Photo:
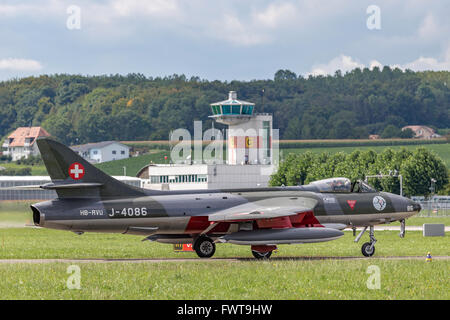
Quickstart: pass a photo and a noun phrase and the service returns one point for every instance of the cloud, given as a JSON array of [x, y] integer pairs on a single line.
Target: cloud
[[429, 27], [232, 30], [342, 62], [14, 64], [347, 63], [147, 8], [428, 63], [275, 15], [35, 9]]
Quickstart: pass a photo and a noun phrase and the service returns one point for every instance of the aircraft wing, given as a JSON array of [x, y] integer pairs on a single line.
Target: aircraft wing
[[266, 209], [274, 221]]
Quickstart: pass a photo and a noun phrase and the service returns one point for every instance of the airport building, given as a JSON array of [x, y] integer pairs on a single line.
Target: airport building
[[249, 157]]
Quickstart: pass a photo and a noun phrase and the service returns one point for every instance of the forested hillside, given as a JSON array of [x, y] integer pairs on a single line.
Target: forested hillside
[[79, 109]]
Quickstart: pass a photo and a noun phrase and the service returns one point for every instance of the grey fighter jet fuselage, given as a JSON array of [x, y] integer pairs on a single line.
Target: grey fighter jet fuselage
[[91, 201]]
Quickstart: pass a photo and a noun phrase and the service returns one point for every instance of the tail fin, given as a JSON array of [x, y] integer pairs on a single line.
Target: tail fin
[[74, 177]]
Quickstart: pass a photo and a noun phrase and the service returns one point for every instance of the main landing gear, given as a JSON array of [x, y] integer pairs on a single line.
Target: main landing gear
[[263, 251], [368, 248], [261, 255], [204, 247]]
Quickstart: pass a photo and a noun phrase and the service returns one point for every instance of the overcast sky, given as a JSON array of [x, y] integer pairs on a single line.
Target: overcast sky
[[218, 39]]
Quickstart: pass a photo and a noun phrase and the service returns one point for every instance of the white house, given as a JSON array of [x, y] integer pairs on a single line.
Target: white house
[[102, 151], [21, 143]]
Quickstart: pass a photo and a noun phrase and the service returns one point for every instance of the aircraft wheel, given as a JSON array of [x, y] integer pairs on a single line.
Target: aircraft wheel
[[262, 255], [204, 247], [367, 249]]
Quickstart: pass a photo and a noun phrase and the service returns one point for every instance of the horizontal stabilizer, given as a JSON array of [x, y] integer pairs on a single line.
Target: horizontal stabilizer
[[24, 188], [56, 186]]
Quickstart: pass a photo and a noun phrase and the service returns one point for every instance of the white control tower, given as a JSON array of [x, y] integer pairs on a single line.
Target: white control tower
[[249, 134], [249, 154]]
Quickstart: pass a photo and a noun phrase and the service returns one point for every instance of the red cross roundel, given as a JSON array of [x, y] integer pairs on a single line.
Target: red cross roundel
[[76, 171]]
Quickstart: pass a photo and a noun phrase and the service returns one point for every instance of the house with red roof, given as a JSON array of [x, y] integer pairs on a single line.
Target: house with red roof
[[422, 132], [22, 142]]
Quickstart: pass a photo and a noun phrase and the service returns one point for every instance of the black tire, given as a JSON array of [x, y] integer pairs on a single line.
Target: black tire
[[262, 255], [366, 249], [204, 247]]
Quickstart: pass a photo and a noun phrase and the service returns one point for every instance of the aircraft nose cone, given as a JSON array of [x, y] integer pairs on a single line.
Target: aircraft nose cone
[[416, 206]]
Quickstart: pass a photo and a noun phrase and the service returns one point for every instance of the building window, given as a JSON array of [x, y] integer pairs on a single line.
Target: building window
[[178, 179], [114, 152], [122, 152], [95, 152], [236, 109], [226, 109], [266, 146], [155, 179]]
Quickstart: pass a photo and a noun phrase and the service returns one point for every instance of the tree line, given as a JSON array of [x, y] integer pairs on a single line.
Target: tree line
[[78, 109], [416, 167]]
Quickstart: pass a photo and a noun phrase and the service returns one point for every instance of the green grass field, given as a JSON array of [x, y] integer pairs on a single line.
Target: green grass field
[[37, 170], [229, 280], [294, 277], [133, 165]]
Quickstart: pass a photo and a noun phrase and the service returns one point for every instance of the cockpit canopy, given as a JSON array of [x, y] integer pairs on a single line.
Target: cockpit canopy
[[333, 185], [336, 185], [362, 187]]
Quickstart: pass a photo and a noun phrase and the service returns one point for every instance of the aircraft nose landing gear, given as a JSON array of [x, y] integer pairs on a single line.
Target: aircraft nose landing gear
[[402, 228], [368, 248]]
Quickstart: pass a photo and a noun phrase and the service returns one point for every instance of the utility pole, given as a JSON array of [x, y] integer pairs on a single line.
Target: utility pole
[[262, 99]]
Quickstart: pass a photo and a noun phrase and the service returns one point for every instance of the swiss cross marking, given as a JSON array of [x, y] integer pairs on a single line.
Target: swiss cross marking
[[76, 171]]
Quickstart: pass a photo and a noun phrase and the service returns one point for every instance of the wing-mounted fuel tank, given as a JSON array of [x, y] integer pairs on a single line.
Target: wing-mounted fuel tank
[[282, 236]]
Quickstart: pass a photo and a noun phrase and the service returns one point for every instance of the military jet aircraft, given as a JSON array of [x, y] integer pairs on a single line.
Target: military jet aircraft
[[88, 200]]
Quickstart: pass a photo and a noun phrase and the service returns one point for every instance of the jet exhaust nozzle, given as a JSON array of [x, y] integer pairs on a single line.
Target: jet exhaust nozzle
[[38, 217]]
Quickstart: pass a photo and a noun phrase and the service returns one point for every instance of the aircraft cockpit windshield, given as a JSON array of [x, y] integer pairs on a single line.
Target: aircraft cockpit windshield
[[363, 187], [333, 185]]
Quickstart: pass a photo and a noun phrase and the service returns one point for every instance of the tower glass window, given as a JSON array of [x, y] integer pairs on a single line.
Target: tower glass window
[[226, 109]]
